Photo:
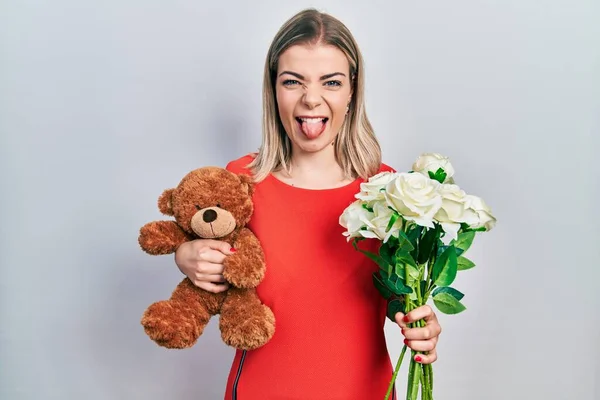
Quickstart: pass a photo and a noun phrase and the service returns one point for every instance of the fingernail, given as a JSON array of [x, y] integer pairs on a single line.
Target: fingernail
[[405, 319], [418, 359], [232, 250], [406, 342]]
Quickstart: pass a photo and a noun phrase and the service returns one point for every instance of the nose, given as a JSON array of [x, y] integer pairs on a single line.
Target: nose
[[312, 97], [209, 216]]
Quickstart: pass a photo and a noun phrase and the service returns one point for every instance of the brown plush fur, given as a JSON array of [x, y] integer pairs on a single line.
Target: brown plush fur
[[213, 203]]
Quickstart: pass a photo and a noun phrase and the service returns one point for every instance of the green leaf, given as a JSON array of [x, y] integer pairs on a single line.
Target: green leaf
[[443, 248], [427, 242], [400, 271], [448, 304], [451, 291], [440, 175], [385, 273], [401, 288], [381, 287], [405, 263], [404, 241], [413, 234], [403, 256], [397, 286], [413, 274], [466, 228], [445, 268], [423, 287], [393, 220], [375, 257], [395, 306], [464, 263], [464, 240], [386, 251]]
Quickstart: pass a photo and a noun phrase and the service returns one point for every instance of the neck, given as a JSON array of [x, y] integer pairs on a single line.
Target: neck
[[322, 162], [318, 170]]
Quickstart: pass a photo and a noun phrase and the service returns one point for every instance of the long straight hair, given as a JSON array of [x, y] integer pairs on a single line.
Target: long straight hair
[[356, 148]]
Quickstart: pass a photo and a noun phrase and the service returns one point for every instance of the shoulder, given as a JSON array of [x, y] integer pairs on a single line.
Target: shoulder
[[240, 165], [386, 168]]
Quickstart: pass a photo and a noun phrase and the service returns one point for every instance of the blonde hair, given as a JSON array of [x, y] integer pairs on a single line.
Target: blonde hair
[[357, 150]]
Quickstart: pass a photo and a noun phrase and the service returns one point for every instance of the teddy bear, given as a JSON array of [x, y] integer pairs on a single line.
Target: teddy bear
[[210, 203]]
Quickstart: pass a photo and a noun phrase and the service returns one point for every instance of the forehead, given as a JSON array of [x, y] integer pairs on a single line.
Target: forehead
[[313, 60]]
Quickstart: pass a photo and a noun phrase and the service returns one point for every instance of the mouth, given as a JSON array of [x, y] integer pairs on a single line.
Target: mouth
[[312, 127], [223, 232]]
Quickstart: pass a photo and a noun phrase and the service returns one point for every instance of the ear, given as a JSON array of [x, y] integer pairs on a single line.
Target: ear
[[164, 202], [248, 182]]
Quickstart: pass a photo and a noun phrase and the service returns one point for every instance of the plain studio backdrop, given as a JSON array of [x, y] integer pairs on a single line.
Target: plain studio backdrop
[[105, 104]]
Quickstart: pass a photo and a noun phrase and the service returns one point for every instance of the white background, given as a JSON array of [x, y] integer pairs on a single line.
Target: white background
[[105, 104]]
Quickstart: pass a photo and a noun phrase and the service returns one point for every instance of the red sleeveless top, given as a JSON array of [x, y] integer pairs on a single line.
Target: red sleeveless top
[[329, 341]]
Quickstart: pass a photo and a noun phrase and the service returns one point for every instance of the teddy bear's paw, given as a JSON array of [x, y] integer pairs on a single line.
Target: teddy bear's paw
[[240, 273], [171, 325], [251, 331]]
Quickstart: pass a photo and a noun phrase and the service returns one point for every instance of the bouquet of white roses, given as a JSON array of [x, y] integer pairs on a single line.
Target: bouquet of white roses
[[425, 223]]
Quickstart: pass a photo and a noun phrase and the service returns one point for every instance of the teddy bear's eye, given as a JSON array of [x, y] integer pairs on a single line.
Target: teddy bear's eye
[[219, 205], [197, 207]]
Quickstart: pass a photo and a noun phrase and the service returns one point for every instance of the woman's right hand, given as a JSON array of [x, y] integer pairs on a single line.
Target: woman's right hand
[[202, 262]]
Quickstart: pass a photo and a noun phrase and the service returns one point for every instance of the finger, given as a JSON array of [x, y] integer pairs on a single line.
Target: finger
[[429, 331], [211, 256], [224, 247], [212, 287], [399, 318], [204, 269], [429, 358], [210, 277], [421, 345], [216, 278], [423, 312]]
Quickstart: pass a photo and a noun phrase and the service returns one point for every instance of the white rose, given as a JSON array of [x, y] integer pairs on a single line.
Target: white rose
[[453, 211], [484, 214], [431, 162], [355, 218], [370, 191], [382, 215], [415, 197]]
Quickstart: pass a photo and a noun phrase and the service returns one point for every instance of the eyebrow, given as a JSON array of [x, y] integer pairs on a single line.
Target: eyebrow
[[324, 77]]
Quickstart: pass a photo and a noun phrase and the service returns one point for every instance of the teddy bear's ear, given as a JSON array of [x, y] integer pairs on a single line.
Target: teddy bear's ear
[[164, 202], [248, 182]]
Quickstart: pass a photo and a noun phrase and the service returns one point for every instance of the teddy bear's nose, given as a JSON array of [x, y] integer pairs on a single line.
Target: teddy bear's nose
[[209, 216]]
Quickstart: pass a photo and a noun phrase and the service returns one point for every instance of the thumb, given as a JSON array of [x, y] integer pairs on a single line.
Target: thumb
[[221, 246]]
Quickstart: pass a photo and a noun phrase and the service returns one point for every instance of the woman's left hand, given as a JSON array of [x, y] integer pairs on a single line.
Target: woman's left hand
[[421, 339]]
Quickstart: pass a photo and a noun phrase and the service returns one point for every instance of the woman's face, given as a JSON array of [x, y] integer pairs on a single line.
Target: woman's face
[[313, 89]]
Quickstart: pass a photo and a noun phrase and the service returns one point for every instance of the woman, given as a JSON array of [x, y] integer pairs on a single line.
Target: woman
[[318, 145]]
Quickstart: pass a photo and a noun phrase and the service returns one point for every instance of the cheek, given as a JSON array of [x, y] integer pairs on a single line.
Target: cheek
[[337, 104], [285, 104]]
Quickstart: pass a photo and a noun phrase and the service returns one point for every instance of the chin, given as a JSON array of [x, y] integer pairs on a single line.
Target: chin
[[315, 145]]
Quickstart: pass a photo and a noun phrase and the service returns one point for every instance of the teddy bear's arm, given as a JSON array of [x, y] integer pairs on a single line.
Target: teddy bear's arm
[[161, 237], [246, 267]]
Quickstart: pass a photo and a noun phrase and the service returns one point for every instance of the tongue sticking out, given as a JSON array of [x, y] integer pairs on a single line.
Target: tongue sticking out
[[313, 129]]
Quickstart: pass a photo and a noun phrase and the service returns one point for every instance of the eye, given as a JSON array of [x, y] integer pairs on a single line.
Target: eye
[[219, 205], [197, 207], [333, 83], [290, 82]]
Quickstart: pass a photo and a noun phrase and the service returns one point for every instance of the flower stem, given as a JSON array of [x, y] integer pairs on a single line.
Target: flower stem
[[411, 374], [416, 378], [398, 363], [429, 370], [424, 392]]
